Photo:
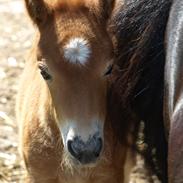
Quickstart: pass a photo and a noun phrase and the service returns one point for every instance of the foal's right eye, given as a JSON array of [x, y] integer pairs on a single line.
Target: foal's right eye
[[44, 71]]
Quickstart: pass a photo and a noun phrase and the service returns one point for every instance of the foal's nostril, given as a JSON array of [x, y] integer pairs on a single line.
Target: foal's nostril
[[85, 152], [98, 147], [72, 149]]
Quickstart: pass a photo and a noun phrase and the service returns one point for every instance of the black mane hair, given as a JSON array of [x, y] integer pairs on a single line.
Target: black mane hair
[[136, 91]]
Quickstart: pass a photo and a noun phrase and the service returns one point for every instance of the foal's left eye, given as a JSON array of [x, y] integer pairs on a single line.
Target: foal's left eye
[[44, 71], [109, 70]]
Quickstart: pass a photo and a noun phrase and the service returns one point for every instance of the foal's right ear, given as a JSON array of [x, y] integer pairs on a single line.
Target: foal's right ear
[[38, 10]]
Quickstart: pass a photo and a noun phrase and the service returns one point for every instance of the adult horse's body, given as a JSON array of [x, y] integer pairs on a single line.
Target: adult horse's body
[[174, 91]]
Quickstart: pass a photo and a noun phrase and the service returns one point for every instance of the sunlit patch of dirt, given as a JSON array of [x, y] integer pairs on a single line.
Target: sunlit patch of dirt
[[15, 39]]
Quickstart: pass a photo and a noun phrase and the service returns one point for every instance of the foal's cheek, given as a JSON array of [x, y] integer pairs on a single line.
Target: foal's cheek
[[40, 146]]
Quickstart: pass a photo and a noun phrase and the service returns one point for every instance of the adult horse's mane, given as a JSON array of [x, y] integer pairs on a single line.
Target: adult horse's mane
[[137, 83]]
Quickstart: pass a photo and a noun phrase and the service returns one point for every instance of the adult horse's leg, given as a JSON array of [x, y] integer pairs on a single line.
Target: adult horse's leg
[[174, 92]]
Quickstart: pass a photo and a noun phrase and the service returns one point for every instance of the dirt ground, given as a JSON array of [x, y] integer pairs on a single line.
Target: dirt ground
[[15, 39]]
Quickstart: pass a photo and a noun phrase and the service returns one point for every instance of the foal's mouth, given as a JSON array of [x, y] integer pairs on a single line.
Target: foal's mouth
[[87, 162]]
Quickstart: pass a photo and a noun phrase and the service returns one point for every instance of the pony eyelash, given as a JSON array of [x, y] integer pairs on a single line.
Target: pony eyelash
[[109, 70], [44, 71]]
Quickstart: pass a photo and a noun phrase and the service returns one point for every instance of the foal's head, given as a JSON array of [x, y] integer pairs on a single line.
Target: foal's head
[[74, 57]]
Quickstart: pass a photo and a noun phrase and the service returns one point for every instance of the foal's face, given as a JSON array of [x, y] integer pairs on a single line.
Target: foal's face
[[75, 57]]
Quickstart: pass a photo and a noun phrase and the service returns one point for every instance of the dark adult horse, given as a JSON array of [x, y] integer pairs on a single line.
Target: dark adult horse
[[149, 44], [174, 91]]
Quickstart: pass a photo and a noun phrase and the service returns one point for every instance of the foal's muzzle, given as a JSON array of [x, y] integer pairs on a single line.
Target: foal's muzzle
[[85, 152]]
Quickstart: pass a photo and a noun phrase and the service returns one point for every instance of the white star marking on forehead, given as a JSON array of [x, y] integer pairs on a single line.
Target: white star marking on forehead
[[77, 51]]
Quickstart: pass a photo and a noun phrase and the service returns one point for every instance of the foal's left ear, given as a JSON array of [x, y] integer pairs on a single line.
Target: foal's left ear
[[103, 8], [38, 10]]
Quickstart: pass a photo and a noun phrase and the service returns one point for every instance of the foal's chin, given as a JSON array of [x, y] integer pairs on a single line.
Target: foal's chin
[[72, 164]]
